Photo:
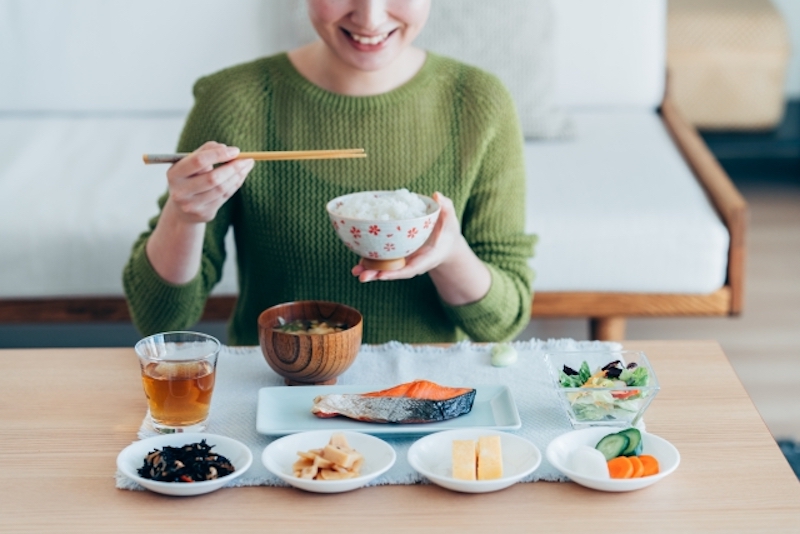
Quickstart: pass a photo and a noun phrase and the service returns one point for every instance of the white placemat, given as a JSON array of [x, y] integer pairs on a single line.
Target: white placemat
[[242, 371]]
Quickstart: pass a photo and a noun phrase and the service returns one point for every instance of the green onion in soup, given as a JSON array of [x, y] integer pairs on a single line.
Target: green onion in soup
[[309, 326]]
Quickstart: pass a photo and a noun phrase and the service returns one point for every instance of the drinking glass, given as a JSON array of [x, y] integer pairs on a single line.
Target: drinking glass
[[178, 371]]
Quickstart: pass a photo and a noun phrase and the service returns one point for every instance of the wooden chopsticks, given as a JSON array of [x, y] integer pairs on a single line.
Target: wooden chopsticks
[[269, 156]]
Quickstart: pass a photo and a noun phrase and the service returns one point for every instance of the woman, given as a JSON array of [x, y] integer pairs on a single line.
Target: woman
[[428, 124]]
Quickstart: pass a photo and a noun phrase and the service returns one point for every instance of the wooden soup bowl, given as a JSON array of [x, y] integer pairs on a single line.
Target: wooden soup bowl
[[310, 359]]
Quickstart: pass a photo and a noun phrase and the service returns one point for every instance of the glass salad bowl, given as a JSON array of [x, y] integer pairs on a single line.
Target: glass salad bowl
[[602, 387]]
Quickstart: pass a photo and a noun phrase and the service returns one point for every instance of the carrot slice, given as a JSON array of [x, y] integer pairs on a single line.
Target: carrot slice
[[650, 465], [620, 467], [638, 466]]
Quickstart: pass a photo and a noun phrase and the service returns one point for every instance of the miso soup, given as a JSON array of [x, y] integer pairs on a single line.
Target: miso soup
[[310, 326]]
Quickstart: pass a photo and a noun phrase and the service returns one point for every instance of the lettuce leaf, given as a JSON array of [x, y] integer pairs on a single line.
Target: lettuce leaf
[[639, 377], [570, 381], [629, 405], [584, 372], [589, 412], [575, 381]]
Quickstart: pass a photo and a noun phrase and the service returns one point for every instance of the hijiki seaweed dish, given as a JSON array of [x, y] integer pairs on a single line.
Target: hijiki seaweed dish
[[190, 463]]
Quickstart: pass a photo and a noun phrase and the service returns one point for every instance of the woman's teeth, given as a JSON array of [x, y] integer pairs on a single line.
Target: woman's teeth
[[369, 40]]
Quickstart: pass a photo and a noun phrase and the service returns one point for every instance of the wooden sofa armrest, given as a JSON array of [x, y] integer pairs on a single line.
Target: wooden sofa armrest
[[727, 200]]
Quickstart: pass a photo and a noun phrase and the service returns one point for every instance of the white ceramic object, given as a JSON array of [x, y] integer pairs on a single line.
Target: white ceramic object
[[279, 456], [132, 458], [560, 450], [432, 456], [383, 242], [286, 410]]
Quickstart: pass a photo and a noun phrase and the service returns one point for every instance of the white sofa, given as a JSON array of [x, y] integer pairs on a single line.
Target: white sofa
[[635, 217]]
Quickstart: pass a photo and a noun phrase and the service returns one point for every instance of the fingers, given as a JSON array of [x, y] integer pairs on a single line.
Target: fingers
[[368, 275], [220, 184], [419, 263], [364, 274], [198, 188], [203, 159], [448, 210], [215, 181], [436, 250]]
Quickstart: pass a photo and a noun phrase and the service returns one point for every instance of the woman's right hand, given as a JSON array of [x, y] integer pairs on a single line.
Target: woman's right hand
[[197, 189]]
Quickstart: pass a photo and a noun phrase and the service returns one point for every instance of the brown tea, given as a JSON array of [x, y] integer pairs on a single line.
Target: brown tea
[[178, 393]]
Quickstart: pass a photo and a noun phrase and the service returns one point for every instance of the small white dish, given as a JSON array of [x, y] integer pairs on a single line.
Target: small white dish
[[279, 456], [432, 457], [560, 449], [131, 458]]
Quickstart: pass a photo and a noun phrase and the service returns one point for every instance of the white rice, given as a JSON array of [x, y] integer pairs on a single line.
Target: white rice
[[399, 204]]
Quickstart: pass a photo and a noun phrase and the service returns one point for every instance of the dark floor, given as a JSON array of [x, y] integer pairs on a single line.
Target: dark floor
[[771, 157], [791, 449]]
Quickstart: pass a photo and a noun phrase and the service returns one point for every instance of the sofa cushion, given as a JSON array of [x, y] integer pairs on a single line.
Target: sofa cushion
[[610, 53], [512, 39], [617, 209]]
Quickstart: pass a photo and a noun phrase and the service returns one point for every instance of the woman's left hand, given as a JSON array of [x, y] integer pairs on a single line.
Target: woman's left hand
[[460, 277], [437, 249]]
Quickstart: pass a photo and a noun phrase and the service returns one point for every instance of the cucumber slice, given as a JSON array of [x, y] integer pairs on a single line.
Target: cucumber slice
[[613, 445], [635, 445]]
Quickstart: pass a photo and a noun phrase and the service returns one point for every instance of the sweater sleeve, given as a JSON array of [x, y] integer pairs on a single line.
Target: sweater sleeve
[[155, 304], [494, 224]]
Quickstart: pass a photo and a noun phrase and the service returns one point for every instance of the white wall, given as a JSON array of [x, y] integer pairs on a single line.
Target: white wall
[[791, 13]]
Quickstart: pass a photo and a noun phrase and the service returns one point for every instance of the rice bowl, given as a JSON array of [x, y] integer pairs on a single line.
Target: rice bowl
[[383, 243], [382, 206]]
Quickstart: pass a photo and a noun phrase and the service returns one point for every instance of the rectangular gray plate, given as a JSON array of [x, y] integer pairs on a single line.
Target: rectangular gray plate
[[287, 409]]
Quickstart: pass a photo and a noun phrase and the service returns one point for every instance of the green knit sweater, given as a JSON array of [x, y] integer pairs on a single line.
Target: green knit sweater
[[452, 128]]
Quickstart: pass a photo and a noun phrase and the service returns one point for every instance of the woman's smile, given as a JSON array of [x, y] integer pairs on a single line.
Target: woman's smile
[[367, 43], [365, 46]]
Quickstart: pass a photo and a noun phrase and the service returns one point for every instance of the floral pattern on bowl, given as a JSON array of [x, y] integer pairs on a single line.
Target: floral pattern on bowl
[[383, 239]]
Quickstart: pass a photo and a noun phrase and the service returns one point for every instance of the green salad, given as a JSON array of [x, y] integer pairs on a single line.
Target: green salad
[[603, 398]]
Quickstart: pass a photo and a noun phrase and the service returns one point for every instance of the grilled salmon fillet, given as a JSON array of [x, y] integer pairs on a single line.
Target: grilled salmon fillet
[[420, 401]]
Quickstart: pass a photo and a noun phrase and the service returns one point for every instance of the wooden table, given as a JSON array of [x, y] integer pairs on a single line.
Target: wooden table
[[66, 413]]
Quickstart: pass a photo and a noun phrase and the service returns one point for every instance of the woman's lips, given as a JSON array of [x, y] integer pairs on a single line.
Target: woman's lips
[[367, 43]]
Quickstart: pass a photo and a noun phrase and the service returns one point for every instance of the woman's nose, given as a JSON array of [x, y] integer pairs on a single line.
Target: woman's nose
[[370, 14]]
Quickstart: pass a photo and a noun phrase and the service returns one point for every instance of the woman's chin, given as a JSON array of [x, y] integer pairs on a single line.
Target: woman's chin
[[369, 57], [370, 62]]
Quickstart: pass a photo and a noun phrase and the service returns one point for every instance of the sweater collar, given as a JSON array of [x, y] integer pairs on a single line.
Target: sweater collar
[[400, 94]]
